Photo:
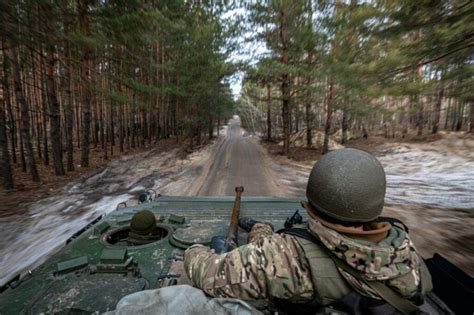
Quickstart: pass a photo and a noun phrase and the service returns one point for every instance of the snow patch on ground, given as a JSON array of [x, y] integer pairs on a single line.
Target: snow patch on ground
[[437, 174], [48, 223], [427, 177], [26, 243]]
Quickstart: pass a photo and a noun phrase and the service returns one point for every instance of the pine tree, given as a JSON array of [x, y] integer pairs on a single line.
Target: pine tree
[[52, 97], [6, 166]]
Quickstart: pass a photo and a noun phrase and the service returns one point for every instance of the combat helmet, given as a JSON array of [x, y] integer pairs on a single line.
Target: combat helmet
[[143, 222], [347, 185]]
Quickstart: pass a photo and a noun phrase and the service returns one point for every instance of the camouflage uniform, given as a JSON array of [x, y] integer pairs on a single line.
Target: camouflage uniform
[[276, 267], [259, 231]]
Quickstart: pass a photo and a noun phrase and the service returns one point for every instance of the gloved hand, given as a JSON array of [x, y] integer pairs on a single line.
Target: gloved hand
[[247, 223], [220, 245]]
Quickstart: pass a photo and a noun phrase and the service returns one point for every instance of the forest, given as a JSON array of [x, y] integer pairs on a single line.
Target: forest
[[359, 68], [109, 74], [84, 76]]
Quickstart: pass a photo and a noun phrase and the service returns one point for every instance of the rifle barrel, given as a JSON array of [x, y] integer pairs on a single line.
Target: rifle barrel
[[234, 220]]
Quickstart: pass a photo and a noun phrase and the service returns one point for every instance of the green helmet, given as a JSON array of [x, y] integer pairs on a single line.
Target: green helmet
[[347, 185], [143, 222]]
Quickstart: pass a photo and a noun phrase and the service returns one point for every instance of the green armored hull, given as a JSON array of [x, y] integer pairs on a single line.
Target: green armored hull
[[97, 267]]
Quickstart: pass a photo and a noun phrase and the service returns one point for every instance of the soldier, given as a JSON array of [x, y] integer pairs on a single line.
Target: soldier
[[345, 258], [143, 229]]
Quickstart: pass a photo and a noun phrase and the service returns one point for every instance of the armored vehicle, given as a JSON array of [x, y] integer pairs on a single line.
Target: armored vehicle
[[98, 265]]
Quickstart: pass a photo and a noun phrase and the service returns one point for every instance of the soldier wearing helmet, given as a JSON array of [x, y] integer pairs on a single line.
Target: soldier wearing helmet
[[143, 229], [346, 257]]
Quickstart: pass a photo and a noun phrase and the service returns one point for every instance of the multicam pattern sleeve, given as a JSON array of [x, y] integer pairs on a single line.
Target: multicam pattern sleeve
[[272, 267]]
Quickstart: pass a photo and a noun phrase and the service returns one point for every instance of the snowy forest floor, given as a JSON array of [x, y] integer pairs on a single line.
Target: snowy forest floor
[[430, 187], [27, 192]]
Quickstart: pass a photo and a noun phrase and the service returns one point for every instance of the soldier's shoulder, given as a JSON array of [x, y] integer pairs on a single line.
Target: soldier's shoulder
[[281, 244]]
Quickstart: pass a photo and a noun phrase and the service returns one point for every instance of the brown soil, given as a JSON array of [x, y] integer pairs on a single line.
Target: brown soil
[[371, 144], [297, 154], [26, 191]]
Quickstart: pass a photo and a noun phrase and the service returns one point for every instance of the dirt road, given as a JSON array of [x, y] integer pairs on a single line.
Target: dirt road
[[239, 161]]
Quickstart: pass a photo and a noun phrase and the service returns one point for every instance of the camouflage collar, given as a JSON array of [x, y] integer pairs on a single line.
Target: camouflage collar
[[372, 232], [392, 257]]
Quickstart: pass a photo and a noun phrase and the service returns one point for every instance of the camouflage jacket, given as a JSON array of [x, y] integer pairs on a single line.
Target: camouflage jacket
[[276, 267]]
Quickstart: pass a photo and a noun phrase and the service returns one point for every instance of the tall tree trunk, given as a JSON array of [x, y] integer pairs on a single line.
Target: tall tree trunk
[[460, 115], [99, 117], [218, 123], [269, 112], [404, 119], [285, 114], [112, 125], [329, 110], [8, 101], [437, 111], [285, 83], [296, 106], [39, 131], [419, 100], [126, 125], [121, 128], [120, 105], [54, 113], [25, 118], [471, 116], [22, 146], [344, 125], [98, 128], [6, 166], [330, 96], [309, 61], [365, 133], [448, 113], [97, 121], [45, 109], [133, 123], [143, 126], [103, 125], [111, 131], [35, 95], [28, 94], [68, 99], [19, 128], [86, 65], [419, 116], [309, 124], [78, 115], [108, 111], [454, 113], [210, 126], [99, 104]]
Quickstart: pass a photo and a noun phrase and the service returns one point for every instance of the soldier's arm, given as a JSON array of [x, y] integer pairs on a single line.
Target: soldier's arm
[[271, 267]]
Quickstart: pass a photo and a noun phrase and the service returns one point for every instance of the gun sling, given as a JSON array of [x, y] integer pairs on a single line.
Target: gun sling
[[386, 293]]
